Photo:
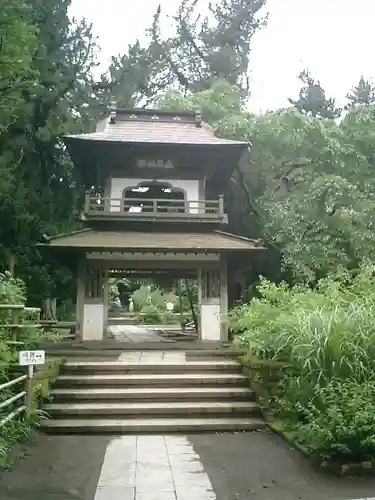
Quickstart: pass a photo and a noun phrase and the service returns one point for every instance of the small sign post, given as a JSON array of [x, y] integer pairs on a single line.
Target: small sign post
[[30, 359], [169, 306]]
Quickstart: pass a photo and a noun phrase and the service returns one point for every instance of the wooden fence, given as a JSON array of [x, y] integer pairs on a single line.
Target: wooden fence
[[21, 317]]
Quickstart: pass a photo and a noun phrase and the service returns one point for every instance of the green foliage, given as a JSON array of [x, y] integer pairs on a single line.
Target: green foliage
[[362, 94], [338, 422], [151, 295], [215, 103], [45, 91], [18, 40], [306, 187], [325, 339], [320, 333], [312, 99], [200, 51], [12, 291], [150, 314]]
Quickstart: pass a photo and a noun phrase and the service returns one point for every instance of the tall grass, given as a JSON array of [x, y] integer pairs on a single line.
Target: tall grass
[[321, 334]]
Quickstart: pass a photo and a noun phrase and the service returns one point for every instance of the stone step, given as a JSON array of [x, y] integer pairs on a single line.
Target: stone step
[[158, 394], [151, 408], [151, 366], [161, 345], [70, 351], [150, 425], [152, 380]]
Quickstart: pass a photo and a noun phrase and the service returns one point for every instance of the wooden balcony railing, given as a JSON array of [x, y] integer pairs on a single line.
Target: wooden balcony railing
[[135, 208]]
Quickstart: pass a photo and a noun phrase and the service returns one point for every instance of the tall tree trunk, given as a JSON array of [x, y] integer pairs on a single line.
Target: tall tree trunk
[[49, 309], [190, 297], [182, 318], [11, 264]]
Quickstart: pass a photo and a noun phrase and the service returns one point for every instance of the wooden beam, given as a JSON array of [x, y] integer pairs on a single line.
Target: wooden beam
[[153, 265]]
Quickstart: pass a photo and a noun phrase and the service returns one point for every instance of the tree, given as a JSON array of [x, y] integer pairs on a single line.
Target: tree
[[38, 194], [203, 50], [312, 99], [18, 39], [307, 189], [362, 93]]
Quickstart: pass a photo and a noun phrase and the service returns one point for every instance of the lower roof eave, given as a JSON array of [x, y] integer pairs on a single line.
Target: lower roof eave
[[92, 240], [77, 249]]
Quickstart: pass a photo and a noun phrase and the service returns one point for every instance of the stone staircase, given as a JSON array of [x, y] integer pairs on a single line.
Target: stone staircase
[[165, 392]]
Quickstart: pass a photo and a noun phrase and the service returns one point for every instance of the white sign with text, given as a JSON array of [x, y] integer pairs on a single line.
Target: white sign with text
[[27, 358]]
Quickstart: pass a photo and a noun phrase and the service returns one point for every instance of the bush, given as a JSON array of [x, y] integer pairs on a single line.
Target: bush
[[339, 422], [324, 333], [151, 314], [144, 297], [325, 339], [12, 291]]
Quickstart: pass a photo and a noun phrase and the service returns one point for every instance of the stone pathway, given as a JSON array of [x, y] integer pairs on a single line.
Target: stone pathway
[[229, 466], [242, 466], [133, 334], [152, 468], [153, 357]]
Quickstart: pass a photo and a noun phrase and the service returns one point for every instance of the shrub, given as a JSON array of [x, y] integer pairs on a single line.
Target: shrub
[[144, 296], [12, 291], [151, 314], [322, 334], [325, 339], [339, 422]]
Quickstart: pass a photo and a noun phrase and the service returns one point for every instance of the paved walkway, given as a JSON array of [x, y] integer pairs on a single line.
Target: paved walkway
[[239, 466], [133, 333], [153, 357], [152, 468]]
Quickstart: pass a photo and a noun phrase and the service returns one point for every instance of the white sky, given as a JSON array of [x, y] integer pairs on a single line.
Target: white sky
[[334, 39]]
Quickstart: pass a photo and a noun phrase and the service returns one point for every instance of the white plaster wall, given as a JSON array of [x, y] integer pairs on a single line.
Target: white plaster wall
[[210, 320], [93, 321], [191, 187]]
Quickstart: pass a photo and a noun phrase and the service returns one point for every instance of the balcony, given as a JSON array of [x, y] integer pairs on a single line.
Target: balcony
[[168, 210]]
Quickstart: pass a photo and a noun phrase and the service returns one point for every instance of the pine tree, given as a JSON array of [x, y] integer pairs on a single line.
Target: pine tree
[[202, 51], [362, 93], [312, 99]]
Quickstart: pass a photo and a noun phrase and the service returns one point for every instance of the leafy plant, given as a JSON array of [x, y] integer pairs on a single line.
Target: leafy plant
[[151, 314], [320, 333], [12, 291], [325, 339], [339, 422]]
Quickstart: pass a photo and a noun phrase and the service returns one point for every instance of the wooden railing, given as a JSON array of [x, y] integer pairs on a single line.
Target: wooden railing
[[20, 317], [135, 207], [23, 396]]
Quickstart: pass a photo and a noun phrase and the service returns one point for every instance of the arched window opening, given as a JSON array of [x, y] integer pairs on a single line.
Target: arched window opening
[[149, 197]]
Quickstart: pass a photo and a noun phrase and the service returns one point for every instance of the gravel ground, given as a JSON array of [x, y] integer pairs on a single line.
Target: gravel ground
[[262, 466]]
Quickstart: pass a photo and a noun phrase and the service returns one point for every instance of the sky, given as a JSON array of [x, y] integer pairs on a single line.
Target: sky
[[334, 39]]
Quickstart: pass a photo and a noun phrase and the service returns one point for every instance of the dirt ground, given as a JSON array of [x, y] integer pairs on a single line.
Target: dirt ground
[[56, 468], [262, 466], [241, 466]]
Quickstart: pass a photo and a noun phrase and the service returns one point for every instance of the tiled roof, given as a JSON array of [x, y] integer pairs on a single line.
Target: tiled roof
[[143, 126], [146, 241]]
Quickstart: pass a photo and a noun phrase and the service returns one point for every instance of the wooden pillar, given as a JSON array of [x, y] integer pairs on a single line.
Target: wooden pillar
[[224, 298]]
